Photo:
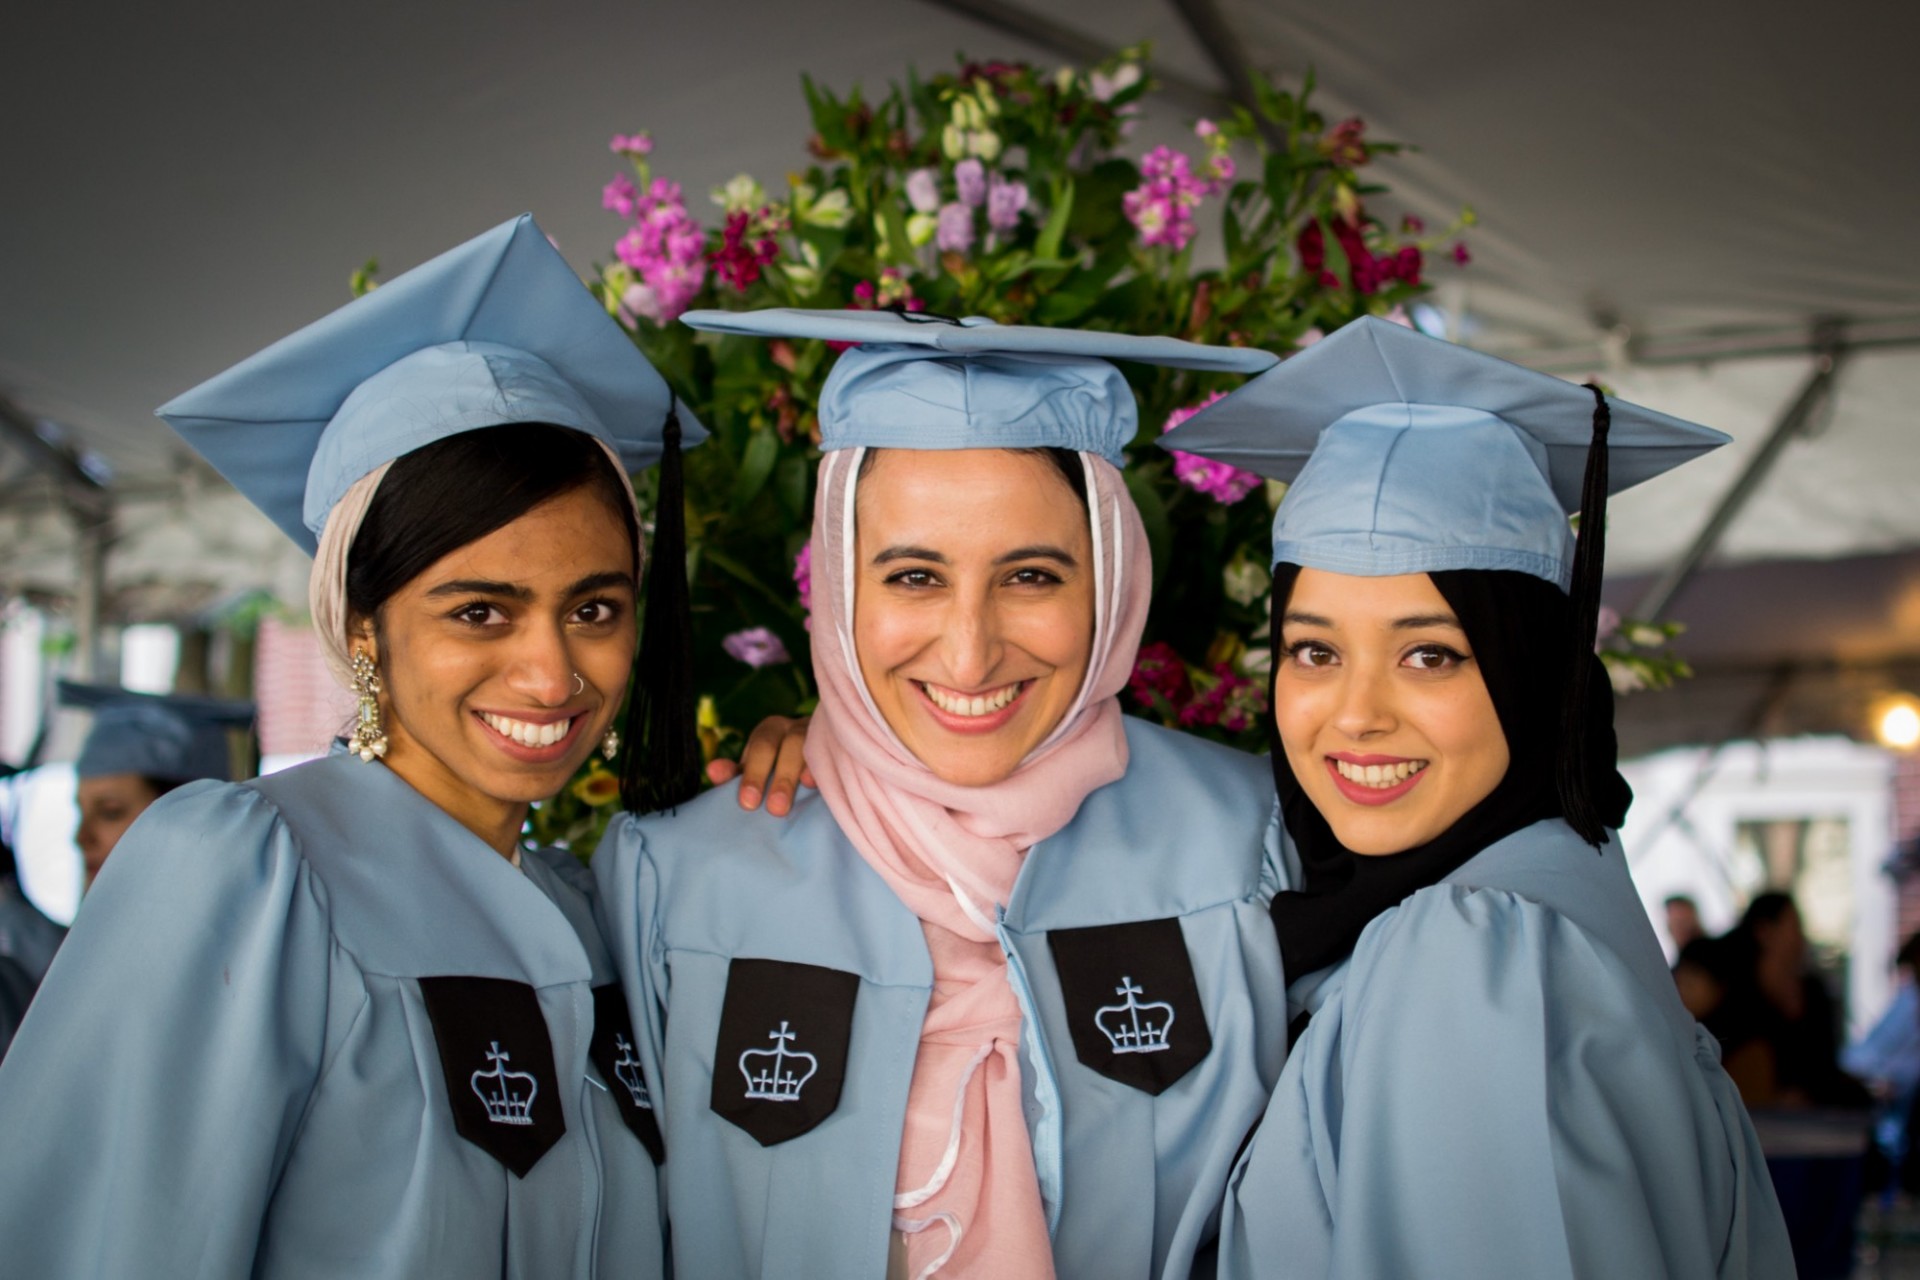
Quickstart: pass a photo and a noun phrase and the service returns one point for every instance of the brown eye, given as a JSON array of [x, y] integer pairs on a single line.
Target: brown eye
[[1311, 653], [1434, 657]]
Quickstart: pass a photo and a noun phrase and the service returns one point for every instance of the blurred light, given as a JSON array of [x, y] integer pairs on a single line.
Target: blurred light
[[1897, 724]]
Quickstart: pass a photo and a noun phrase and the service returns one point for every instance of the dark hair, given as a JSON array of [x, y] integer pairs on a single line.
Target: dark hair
[[459, 489], [1065, 461], [160, 786], [1680, 900], [1767, 908]]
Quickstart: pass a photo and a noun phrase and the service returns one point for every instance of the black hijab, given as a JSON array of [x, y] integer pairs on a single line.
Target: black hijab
[[1521, 630]]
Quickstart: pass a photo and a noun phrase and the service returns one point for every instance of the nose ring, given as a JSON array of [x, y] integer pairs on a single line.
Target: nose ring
[[579, 683]]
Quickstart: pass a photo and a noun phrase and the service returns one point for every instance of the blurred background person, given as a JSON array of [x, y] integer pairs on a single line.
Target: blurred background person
[[141, 746], [27, 943], [1683, 921]]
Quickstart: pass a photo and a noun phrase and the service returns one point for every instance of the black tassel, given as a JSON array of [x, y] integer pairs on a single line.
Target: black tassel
[[662, 767], [1589, 561]]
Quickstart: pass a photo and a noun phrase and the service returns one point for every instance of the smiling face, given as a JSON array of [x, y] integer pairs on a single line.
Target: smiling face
[[973, 603], [479, 656], [1382, 710]]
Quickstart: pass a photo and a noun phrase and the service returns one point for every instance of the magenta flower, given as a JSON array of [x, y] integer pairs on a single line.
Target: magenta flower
[[1161, 207], [1460, 254], [803, 578], [1005, 200], [620, 196], [1235, 703], [923, 190], [666, 249], [1205, 128], [1412, 225], [954, 233], [1220, 481], [744, 249], [970, 180], [638, 144], [1160, 676], [756, 646]]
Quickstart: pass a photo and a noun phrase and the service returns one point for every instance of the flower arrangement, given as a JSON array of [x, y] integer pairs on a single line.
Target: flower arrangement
[[1004, 190]]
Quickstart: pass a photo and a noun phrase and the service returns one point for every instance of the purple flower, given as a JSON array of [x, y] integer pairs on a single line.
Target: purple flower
[[923, 190], [638, 144], [621, 196], [666, 249], [1005, 200], [803, 578], [955, 230], [970, 180], [756, 646], [1205, 128], [1220, 481]]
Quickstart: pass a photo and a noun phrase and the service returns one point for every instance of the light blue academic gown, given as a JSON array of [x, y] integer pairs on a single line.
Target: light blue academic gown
[[231, 1069], [1501, 1081], [1131, 1180]]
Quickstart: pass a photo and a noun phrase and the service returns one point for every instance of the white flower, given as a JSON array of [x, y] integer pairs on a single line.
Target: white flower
[[830, 210], [741, 194], [921, 228], [1245, 580]]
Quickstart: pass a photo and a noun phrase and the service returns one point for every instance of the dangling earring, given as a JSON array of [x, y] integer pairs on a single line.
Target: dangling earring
[[369, 739], [610, 745]]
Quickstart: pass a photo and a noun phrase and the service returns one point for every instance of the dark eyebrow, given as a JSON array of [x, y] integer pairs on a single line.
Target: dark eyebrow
[[600, 582], [908, 553], [1054, 554], [481, 587], [1413, 622]]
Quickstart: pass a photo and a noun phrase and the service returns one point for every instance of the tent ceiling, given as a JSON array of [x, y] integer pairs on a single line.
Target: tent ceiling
[[186, 183]]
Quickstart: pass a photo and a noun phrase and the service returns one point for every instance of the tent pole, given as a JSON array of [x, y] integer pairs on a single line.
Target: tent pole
[[1015, 21], [89, 505], [1830, 352]]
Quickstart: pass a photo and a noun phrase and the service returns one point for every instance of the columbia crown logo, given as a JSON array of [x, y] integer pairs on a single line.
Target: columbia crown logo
[[1134, 1027], [776, 1075], [626, 1068], [507, 1095]]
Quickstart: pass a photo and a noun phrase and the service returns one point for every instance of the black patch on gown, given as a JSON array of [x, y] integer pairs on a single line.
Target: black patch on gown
[[498, 1062], [781, 1056]]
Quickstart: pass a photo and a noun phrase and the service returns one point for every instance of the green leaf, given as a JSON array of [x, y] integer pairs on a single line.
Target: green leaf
[[1055, 231], [793, 479], [763, 450]]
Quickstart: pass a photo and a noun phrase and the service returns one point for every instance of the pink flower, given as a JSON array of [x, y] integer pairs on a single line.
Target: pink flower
[[1222, 167], [954, 231], [638, 144], [1205, 128], [1312, 246], [923, 190], [1005, 200], [1158, 673], [1460, 254], [1220, 481], [756, 646], [970, 181], [803, 578], [1412, 225], [666, 249], [1235, 703], [1346, 146], [620, 196], [1161, 207]]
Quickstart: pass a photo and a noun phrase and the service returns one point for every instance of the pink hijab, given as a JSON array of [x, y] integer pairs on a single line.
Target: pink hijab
[[952, 854]]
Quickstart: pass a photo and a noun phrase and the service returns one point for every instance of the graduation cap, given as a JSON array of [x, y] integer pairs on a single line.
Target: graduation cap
[[918, 381], [497, 331], [1407, 454], [173, 737]]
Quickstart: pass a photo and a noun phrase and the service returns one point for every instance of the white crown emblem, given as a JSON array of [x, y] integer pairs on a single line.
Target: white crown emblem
[[1134, 1027], [627, 1070], [507, 1095], [774, 1074]]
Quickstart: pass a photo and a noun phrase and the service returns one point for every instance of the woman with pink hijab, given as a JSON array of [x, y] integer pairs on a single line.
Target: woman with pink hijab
[[997, 1000]]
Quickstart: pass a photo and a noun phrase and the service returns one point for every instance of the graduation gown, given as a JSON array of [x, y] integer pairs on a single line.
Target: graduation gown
[[779, 987], [1501, 1081], [309, 1026]]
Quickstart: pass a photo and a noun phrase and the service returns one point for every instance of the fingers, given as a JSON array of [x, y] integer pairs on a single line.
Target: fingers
[[789, 768], [721, 770], [757, 761]]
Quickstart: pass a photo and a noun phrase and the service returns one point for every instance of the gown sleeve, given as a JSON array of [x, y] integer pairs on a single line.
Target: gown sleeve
[[1495, 1094], [629, 892], [149, 1100]]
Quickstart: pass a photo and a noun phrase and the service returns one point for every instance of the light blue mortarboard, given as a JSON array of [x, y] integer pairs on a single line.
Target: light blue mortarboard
[[1407, 454], [931, 382], [174, 737], [499, 330]]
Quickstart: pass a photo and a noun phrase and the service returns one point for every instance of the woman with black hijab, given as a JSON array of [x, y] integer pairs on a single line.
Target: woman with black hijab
[[1491, 1072]]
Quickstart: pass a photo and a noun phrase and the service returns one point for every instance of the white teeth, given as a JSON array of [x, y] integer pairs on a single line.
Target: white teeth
[[959, 704], [527, 734], [1380, 776]]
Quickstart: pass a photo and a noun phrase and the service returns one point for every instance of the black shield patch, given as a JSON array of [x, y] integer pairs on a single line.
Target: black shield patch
[[498, 1064], [614, 1051], [1132, 1006], [781, 1056]]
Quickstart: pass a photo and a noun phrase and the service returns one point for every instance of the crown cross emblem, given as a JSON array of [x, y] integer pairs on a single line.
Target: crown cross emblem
[[776, 1075], [507, 1095], [626, 1068], [1134, 1027]]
